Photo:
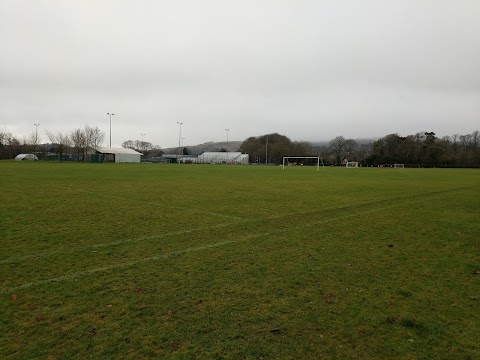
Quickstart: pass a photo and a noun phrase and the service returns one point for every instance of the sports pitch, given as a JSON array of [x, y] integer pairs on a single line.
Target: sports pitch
[[212, 261]]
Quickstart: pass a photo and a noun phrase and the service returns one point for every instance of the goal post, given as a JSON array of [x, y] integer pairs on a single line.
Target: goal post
[[286, 158], [398, 166], [351, 164]]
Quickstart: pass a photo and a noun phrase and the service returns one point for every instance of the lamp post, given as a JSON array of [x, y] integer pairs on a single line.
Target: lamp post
[[179, 140], [226, 158], [110, 114], [143, 146], [35, 143]]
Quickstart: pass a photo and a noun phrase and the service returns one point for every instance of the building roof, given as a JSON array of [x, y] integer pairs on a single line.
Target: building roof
[[215, 153], [112, 150], [218, 155]]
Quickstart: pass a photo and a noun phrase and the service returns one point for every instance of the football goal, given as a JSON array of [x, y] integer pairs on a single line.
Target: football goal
[[300, 160], [398, 166], [351, 164]]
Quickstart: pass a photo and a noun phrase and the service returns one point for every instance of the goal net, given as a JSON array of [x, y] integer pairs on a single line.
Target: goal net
[[302, 160], [398, 166], [351, 164]]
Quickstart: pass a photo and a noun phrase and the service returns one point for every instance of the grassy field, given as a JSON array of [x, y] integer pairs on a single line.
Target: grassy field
[[200, 261]]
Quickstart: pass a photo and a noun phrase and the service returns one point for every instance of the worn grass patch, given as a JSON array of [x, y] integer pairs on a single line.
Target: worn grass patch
[[147, 260]]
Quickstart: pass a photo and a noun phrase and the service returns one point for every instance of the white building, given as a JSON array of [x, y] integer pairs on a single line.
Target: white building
[[119, 155], [234, 158], [222, 158]]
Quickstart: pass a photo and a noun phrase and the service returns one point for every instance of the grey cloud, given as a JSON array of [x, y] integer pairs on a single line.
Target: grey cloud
[[309, 69]]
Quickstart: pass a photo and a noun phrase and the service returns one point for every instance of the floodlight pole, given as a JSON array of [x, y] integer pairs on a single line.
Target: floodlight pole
[[226, 158], [35, 144], [110, 114], [179, 140]]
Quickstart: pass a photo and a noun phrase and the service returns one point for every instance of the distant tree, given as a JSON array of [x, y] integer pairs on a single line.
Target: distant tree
[[408, 150], [141, 146], [301, 148], [351, 149], [476, 146], [129, 144], [323, 152], [3, 138], [341, 147], [363, 152], [469, 148], [455, 139], [79, 142], [431, 149], [476, 139], [9, 146], [275, 146], [156, 151], [145, 146], [252, 146], [61, 143], [95, 137], [83, 139], [34, 140], [392, 148], [447, 156]]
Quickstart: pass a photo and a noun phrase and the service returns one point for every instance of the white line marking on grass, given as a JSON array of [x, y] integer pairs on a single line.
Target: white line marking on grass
[[240, 220], [130, 263], [366, 203], [225, 215], [199, 248], [173, 233], [113, 243]]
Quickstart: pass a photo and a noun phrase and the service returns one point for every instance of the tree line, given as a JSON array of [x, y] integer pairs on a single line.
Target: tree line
[[72, 146], [426, 149], [146, 148], [65, 146], [421, 149]]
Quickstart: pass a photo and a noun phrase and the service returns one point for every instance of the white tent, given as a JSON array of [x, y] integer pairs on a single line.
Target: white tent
[[120, 155], [26, 157], [222, 158]]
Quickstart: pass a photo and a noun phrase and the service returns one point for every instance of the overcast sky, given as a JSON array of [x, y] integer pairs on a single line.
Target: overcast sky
[[311, 70]]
